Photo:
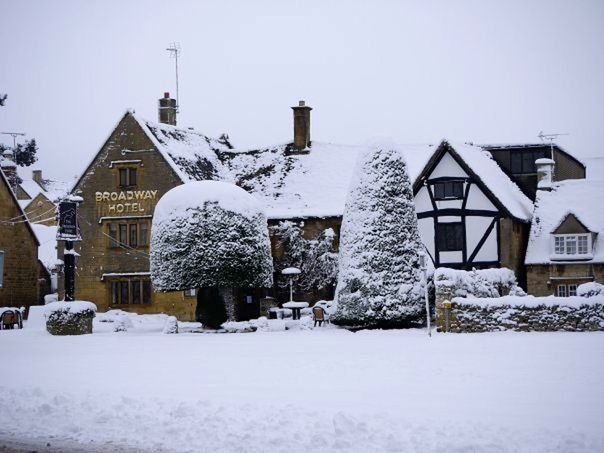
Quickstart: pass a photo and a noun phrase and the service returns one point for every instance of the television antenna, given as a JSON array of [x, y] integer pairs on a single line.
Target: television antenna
[[551, 138], [14, 135], [174, 50]]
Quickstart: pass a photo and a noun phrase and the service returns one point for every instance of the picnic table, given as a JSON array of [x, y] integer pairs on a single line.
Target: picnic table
[[295, 307]]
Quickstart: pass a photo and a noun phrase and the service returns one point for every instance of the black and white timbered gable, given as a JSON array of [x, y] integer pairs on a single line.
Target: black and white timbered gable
[[461, 196]]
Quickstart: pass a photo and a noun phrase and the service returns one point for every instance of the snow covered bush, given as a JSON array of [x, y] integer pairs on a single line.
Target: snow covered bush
[[477, 283], [171, 325], [379, 274], [209, 234], [316, 258], [590, 289], [69, 318]]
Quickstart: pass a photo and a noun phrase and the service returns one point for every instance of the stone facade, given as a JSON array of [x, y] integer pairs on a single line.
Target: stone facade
[[105, 265], [543, 279], [41, 210], [512, 247], [19, 246]]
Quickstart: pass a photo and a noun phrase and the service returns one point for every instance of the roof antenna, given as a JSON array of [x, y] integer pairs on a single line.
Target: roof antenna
[[551, 138], [174, 50], [14, 135]]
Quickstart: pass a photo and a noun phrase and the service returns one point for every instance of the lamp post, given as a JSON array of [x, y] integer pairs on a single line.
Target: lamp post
[[424, 267], [291, 272]]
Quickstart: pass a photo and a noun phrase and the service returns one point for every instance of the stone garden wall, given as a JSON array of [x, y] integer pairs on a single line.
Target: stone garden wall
[[488, 301]]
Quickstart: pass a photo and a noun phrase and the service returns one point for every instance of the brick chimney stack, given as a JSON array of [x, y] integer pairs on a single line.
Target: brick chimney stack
[[301, 126], [545, 173], [36, 175], [167, 110]]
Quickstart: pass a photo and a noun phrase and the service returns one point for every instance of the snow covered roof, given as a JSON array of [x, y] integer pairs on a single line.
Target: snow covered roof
[[479, 162], [579, 197], [31, 188], [295, 185], [192, 155], [595, 167], [497, 182], [47, 251]]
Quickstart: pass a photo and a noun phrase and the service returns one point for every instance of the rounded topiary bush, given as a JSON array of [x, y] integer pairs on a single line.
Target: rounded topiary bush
[[69, 318]]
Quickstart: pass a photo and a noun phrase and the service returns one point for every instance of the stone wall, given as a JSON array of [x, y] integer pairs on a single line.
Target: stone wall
[[571, 314], [542, 279]]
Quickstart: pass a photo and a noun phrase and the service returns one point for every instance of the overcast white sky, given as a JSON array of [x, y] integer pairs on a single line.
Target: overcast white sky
[[412, 71]]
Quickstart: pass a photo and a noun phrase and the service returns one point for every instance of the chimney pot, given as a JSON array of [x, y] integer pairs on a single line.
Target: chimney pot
[[301, 126], [167, 110], [36, 175], [545, 173]]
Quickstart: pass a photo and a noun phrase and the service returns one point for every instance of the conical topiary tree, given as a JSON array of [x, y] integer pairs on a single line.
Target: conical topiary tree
[[379, 279], [212, 236]]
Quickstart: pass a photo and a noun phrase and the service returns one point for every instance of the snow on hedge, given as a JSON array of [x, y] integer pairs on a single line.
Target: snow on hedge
[[379, 272], [529, 301], [590, 289], [209, 234], [73, 307], [477, 283]]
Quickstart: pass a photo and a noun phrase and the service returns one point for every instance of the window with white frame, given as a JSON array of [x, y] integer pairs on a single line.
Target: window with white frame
[[572, 244], [566, 290]]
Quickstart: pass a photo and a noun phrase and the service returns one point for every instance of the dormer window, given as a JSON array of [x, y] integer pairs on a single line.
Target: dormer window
[[572, 246]]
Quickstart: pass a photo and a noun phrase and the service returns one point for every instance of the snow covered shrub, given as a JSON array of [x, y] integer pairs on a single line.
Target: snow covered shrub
[[171, 325], [69, 318], [590, 289], [477, 283], [379, 274], [209, 234], [316, 258]]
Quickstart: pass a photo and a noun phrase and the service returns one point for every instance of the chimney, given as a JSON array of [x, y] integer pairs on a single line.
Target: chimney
[[9, 168], [36, 175], [167, 110], [545, 173], [301, 126]]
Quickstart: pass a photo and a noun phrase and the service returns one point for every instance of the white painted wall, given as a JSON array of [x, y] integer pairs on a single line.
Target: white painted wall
[[426, 232], [478, 200], [450, 257], [488, 251], [475, 228], [422, 200], [447, 167]]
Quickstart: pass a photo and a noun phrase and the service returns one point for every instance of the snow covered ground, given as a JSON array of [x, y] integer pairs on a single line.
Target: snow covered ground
[[301, 391]]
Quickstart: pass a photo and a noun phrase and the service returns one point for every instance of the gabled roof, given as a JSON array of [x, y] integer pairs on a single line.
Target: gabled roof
[[306, 185], [31, 188], [522, 146], [580, 197], [192, 155], [22, 218], [479, 164]]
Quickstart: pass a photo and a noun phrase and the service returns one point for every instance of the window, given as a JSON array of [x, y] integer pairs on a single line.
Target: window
[[113, 235], [143, 234], [561, 291], [448, 190], [123, 234], [523, 161], [572, 290], [133, 235], [1, 268], [190, 292], [572, 245], [450, 236], [132, 291], [127, 177]]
